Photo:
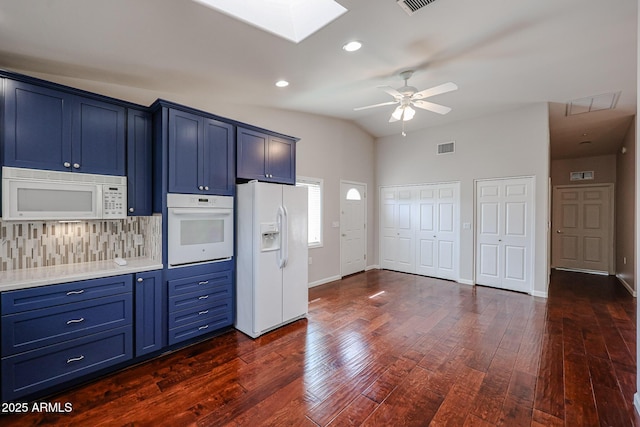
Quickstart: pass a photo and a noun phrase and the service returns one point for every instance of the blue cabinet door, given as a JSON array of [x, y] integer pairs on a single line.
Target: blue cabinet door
[[185, 130], [252, 153], [139, 162], [218, 159], [149, 324], [37, 127], [281, 161], [98, 137]]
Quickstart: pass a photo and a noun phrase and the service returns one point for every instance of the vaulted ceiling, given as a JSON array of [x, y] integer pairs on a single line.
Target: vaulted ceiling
[[501, 53]]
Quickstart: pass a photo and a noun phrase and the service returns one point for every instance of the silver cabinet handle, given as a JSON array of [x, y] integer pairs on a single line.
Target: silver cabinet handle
[[75, 359], [76, 165], [66, 164], [80, 320], [203, 327], [200, 313], [140, 280], [130, 209], [203, 297], [200, 187], [206, 187], [205, 282], [81, 291]]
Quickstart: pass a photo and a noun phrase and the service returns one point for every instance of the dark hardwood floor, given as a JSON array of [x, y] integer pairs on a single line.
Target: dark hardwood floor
[[390, 349]]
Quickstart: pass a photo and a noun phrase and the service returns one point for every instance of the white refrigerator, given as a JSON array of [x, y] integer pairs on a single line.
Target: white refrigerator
[[272, 256]]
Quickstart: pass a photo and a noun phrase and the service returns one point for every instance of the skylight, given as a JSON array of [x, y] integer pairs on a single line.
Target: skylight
[[293, 20]]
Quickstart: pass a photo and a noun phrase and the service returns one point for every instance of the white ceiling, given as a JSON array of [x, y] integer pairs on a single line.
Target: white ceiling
[[501, 53]]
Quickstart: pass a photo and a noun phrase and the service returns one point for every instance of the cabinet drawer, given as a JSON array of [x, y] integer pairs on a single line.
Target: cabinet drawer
[[200, 314], [199, 299], [38, 328], [205, 282], [39, 369], [48, 296], [192, 330]]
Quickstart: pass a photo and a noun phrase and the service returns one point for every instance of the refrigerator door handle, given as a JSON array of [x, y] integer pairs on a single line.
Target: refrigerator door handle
[[281, 226], [284, 237]]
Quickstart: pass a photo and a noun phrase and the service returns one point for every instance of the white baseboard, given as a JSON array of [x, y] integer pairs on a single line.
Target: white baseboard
[[540, 294], [636, 402], [323, 281], [626, 285], [466, 282], [372, 267]]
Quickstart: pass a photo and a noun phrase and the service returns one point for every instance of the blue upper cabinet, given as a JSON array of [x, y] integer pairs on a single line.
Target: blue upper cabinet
[[139, 162], [266, 157], [51, 129], [201, 153]]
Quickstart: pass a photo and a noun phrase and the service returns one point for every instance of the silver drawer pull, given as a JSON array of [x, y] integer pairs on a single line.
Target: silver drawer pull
[[81, 291], [203, 297], [203, 312], [75, 320], [203, 327], [75, 359], [206, 282]]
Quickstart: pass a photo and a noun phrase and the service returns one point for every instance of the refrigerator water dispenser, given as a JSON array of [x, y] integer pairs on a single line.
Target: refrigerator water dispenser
[[270, 237]]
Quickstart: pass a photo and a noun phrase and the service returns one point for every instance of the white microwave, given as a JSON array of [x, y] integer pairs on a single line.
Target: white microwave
[[30, 194]]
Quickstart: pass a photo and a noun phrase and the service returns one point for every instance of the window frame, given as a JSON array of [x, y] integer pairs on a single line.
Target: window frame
[[304, 181]]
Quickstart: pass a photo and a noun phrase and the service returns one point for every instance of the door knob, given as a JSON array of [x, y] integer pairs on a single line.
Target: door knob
[[344, 235], [559, 231]]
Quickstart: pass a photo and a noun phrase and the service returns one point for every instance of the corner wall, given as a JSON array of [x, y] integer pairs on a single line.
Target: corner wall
[[626, 211], [511, 144]]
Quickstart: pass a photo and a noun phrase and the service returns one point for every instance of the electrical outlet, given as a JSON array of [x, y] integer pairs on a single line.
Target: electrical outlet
[[310, 260], [624, 260]]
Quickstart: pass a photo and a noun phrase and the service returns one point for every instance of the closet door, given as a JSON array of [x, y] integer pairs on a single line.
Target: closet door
[[397, 239], [437, 236], [504, 251]]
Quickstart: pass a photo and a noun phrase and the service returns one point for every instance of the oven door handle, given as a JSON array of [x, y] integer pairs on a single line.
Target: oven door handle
[[201, 212]]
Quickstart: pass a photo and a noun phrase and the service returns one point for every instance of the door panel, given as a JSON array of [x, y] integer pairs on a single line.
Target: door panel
[[353, 228], [582, 236], [505, 233]]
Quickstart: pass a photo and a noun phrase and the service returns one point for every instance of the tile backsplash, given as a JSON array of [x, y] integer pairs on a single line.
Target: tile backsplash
[[44, 243]]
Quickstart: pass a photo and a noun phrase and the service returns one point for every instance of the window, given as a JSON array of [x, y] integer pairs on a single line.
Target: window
[[314, 186]]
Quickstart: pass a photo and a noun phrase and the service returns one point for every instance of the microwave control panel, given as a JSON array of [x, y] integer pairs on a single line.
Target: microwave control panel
[[114, 201]]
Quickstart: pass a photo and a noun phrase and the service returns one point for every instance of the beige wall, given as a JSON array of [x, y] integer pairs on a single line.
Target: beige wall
[[625, 210], [329, 148], [604, 168], [506, 145]]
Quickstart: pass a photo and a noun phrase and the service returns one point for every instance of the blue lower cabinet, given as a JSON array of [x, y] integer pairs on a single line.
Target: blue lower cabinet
[[36, 370], [149, 325], [216, 320]]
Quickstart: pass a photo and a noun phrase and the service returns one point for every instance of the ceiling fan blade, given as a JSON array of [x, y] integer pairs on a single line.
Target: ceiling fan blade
[[375, 105], [436, 108], [391, 91], [436, 90]]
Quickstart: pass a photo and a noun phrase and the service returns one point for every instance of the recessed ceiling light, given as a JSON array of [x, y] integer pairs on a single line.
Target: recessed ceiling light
[[352, 46], [282, 83]]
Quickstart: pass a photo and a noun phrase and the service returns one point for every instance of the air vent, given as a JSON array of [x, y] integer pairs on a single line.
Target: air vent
[[412, 6], [581, 176], [447, 147]]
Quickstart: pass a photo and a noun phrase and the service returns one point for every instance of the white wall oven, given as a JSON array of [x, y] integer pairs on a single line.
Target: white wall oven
[[199, 229]]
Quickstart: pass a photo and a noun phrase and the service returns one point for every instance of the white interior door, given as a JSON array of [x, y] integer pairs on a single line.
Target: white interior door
[[582, 228], [353, 228], [437, 233], [397, 239], [504, 249]]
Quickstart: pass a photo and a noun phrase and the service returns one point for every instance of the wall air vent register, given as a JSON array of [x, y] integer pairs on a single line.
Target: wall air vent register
[[446, 147], [412, 6]]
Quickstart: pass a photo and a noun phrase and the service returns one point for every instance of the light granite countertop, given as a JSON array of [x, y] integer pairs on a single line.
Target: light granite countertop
[[41, 276]]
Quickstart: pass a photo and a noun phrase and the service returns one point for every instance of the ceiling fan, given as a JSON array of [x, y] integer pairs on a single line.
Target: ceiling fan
[[409, 97]]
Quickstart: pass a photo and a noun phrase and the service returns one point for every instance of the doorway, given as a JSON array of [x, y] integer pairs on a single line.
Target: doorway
[[353, 227], [582, 221]]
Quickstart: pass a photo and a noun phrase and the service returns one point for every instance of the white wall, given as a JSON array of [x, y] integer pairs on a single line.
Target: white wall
[[625, 210], [505, 145], [331, 149]]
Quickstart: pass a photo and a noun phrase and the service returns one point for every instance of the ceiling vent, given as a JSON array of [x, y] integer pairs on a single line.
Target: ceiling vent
[[447, 147], [412, 6]]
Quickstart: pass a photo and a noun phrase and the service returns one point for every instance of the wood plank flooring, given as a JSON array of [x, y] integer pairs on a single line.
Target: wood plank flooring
[[421, 352]]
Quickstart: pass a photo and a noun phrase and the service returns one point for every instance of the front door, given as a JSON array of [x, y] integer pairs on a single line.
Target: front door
[[353, 241], [582, 228]]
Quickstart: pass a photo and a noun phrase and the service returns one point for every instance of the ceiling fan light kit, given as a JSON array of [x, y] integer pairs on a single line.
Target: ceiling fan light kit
[[409, 97]]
